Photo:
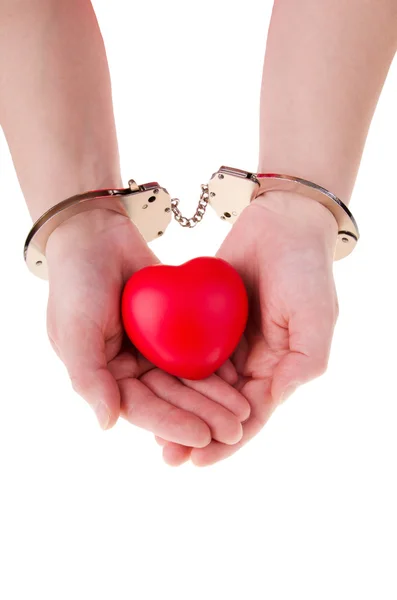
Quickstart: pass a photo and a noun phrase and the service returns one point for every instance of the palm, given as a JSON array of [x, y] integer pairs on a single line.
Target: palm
[[85, 327], [292, 314]]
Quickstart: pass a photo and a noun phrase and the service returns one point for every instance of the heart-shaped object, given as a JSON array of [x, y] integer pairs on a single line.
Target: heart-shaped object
[[188, 319]]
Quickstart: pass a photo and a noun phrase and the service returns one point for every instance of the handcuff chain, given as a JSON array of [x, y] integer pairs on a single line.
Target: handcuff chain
[[200, 210]]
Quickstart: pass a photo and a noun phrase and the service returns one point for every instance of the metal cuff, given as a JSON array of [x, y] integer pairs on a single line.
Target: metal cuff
[[131, 202], [231, 190], [348, 234]]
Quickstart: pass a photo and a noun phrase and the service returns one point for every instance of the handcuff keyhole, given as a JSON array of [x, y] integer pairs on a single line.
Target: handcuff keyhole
[[227, 214], [152, 199]]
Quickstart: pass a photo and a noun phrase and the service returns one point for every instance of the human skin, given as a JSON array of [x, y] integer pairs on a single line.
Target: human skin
[[57, 115], [325, 65]]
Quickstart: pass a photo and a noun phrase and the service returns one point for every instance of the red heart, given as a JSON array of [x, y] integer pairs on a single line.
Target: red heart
[[186, 320]]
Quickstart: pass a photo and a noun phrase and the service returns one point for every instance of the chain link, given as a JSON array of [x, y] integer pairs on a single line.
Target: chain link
[[200, 210]]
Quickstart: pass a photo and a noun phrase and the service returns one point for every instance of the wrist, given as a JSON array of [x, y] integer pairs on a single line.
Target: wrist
[[302, 211], [59, 189], [86, 228]]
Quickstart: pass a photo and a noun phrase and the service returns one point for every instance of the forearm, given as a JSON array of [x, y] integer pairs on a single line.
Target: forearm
[[325, 65], [55, 100]]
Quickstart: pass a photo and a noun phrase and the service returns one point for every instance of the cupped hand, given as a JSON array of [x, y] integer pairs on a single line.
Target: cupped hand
[[283, 246], [90, 257]]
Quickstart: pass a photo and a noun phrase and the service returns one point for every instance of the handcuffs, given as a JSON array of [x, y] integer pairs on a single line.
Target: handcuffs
[[150, 208]]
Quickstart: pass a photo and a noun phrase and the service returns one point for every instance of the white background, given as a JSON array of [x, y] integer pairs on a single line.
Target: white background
[[307, 509]]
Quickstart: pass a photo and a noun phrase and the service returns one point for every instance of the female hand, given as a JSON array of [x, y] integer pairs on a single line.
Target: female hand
[[283, 247], [90, 257]]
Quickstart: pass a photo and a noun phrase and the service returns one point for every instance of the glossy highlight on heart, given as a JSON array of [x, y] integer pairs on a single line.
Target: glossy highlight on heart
[[187, 319]]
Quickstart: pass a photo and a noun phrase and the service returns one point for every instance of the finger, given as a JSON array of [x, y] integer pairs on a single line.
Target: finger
[[141, 407], [82, 349], [129, 364], [160, 441], [175, 455], [223, 394], [310, 338], [240, 355], [228, 373], [258, 394], [125, 365], [137, 256], [224, 425]]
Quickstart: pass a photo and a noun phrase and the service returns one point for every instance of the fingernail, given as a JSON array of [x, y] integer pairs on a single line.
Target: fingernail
[[288, 392], [102, 414]]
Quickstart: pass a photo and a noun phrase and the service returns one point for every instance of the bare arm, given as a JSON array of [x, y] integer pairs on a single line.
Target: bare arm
[[56, 111], [55, 100], [325, 65]]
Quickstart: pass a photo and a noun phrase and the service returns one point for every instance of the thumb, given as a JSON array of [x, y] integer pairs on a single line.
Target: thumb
[[310, 334], [81, 347]]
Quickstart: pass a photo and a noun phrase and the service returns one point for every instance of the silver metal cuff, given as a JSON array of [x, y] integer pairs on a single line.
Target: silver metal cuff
[[232, 190], [348, 234], [151, 223]]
